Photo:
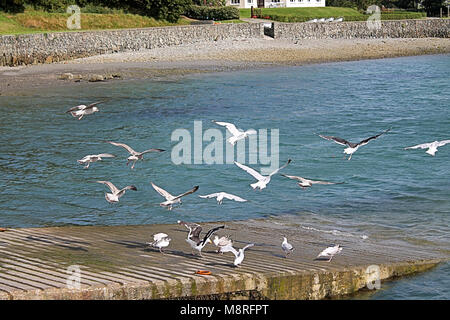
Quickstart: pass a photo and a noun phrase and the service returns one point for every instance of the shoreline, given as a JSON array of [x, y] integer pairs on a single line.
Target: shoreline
[[207, 57]]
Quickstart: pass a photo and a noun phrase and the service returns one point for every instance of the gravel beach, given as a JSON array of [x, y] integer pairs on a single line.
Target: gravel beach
[[222, 55]]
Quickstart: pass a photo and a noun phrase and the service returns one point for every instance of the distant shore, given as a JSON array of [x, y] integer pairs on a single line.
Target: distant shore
[[222, 55]]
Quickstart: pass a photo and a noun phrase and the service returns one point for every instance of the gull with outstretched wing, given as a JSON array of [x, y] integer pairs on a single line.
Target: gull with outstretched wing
[[432, 146], [236, 134], [262, 180], [352, 147], [170, 199], [135, 156], [306, 183]]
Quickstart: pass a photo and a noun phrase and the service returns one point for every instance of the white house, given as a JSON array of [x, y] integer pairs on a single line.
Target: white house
[[275, 3]]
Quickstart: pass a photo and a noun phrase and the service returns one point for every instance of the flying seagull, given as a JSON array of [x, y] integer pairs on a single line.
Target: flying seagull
[[160, 240], [82, 110], [262, 180], [194, 238], [306, 183], [351, 147], [135, 156], [287, 247], [329, 252], [170, 199], [224, 243], [240, 254], [94, 158], [190, 225], [221, 195], [237, 134], [116, 193], [432, 146]]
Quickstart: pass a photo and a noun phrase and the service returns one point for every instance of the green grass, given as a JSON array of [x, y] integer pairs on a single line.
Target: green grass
[[32, 21], [324, 12], [305, 14]]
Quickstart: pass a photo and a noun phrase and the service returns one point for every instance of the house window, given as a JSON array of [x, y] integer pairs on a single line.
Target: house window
[[276, 1], [235, 1], [249, 1]]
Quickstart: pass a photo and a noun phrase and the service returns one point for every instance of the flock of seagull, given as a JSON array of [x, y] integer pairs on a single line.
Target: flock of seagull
[[224, 243]]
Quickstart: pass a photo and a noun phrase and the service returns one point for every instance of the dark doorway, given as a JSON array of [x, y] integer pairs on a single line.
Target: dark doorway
[[260, 3]]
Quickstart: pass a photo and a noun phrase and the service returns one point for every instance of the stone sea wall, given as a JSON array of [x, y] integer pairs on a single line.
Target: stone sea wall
[[52, 47], [423, 28], [58, 46]]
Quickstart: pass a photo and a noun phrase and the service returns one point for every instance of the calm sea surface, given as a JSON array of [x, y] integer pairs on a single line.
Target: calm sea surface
[[389, 193]]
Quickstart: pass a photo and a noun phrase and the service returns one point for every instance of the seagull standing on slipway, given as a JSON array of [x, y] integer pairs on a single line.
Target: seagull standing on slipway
[[198, 244], [432, 146], [224, 243], [237, 135], [240, 254], [329, 252], [160, 240], [306, 183], [116, 193], [221, 195], [262, 180], [82, 110], [94, 158], [170, 199], [287, 247], [352, 147], [135, 156]]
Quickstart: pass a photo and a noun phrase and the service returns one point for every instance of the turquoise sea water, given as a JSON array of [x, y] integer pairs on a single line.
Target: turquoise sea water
[[389, 193]]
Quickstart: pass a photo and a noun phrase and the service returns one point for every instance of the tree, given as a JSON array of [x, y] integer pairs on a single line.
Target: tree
[[13, 6], [432, 7]]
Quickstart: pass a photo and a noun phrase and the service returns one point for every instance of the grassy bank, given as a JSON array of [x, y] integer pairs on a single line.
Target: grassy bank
[[305, 14], [38, 21]]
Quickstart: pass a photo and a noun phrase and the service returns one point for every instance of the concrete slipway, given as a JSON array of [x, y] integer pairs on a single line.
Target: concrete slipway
[[116, 263]]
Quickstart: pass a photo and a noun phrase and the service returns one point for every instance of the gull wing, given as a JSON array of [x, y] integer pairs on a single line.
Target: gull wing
[[105, 155], [195, 234], [163, 192], [152, 150], [338, 140], [284, 166], [324, 182], [186, 193], [123, 145], [80, 107], [443, 143], [233, 197], [249, 170], [94, 104], [421, 146], [190, 225], [301, 179], [230, 127], [210, 233], [366, 141], [248, 246], [159, 236], [112, 187], [208, 196]]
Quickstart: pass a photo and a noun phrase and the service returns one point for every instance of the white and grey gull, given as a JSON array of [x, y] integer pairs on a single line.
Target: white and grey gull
[[160, 241], [81, 110], [223, 195], [87, 160], [135, 156], [170, 199], [307, 183], [236, 133], [116, 193], [352, 147], [262, 180], [432, 146], [196, 242]]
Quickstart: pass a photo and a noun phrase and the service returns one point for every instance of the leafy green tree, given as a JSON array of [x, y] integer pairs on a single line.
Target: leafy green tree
[[432, 7], [12, 6]]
